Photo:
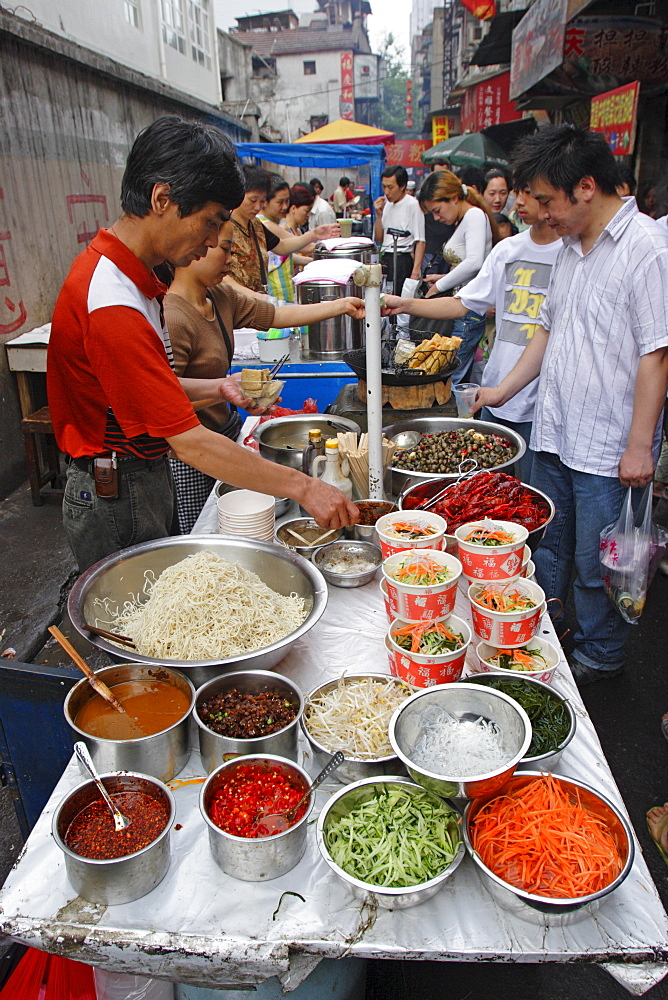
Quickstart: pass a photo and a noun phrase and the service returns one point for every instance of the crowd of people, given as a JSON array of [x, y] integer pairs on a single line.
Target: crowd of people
[[575, 275]]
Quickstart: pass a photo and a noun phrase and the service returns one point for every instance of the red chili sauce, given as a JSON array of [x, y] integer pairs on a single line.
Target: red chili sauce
[[370, 511], [91, 833], [251, 792]]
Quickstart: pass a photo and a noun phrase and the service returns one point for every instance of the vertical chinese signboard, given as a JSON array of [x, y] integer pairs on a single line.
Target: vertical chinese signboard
[[614, 114], [538, 44], [439, 129], [347, 88], [487, 103]]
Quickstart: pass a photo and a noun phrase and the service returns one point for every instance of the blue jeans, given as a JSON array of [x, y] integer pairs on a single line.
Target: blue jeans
[[525, 464], [585, 504], [471, 329]]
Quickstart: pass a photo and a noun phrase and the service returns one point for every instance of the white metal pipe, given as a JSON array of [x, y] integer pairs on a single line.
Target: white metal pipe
[[371, 276]]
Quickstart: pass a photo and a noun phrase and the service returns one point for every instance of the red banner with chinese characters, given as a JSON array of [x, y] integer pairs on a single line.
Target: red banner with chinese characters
[[614, 114], [347, 99], [482, 9], [488, 104], [407, 152]]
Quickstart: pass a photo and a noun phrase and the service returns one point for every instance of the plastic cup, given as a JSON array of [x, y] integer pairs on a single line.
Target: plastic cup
[[465, 394], [346, 226]]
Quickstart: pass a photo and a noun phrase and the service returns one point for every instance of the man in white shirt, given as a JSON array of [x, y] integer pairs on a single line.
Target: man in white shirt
[[601, 351], [321, 213], [513, 280], [340, 198], [395, 210]]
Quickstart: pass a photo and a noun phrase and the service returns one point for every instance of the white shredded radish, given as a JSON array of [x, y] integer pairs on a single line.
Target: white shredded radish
[[354, 716], [458, 748]]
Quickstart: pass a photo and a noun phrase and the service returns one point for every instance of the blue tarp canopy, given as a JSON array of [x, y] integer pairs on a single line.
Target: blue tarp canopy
[[319, 154]]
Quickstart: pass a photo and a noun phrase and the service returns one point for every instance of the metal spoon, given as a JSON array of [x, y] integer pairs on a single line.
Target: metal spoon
[[120, 821], [406, 439], [278, 822]]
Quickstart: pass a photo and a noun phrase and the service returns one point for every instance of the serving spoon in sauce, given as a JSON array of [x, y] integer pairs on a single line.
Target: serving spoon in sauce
[[278, 822], [120, 821], [99, 686]]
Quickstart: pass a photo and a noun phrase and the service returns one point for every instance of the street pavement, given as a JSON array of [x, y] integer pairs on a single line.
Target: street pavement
[[626, 712]]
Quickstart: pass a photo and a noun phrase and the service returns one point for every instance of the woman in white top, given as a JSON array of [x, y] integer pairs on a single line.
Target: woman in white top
[[452, 202]]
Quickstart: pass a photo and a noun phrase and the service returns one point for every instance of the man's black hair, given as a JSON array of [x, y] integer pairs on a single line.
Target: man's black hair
[[256, 179], [472, 176], [563, 155], [626, 176], [397, 171], [198, 161]]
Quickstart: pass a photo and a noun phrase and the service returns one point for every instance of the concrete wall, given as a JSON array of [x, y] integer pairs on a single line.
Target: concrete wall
[[290, 99], [69, 118]]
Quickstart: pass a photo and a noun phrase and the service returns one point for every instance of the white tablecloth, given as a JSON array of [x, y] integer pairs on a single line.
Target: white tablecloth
[[203, 927]]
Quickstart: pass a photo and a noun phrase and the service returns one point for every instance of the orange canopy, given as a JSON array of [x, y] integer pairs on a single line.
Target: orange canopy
[[353, 133]]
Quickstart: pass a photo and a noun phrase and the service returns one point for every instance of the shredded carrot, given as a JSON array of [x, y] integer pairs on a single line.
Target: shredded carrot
[[412, 528], [483, 535], [499, 599], [417, 630], [541, 839]]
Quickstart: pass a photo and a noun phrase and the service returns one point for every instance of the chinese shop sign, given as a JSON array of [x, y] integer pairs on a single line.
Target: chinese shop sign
[[538, 44], [347, 87], [614, 115], [488, 104]]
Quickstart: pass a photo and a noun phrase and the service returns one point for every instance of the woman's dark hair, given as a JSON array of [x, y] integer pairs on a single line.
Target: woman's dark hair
[[314, 181], [164, 272], [399, 172], [626, 176], [502, 220], [563, 155], [256, 179], [472, 176], [443, 185], [198, 161], [301, 194], [278, 183], [491, 175]]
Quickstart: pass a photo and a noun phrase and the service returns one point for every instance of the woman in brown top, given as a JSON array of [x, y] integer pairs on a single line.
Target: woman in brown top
[[253, 241], [201, 315]]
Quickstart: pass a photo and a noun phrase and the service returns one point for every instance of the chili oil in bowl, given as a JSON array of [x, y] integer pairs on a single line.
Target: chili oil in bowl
[[248, 712], [108, 866], [236, 801]]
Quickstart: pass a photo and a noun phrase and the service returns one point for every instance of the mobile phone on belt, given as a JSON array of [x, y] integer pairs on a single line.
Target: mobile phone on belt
[[105, 474]]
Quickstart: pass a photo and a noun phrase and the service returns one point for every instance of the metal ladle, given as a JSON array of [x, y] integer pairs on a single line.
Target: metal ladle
[[406, 439], [120, 821], [278, 822]]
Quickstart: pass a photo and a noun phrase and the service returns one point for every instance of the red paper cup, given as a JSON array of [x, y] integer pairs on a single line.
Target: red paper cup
[[390, 544], [391, 608], [508, 629], [426, 671], [552, 655], [521, 572], [422, 603], [492, 562]]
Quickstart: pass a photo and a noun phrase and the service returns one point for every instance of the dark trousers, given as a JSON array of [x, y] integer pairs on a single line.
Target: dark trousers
[[404, 268]]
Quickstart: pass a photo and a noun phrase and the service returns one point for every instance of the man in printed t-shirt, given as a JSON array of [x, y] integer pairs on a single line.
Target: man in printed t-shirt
[[116, 404], [513, 280]]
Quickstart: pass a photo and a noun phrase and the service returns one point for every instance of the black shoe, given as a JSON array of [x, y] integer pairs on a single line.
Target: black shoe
[[583, 675]]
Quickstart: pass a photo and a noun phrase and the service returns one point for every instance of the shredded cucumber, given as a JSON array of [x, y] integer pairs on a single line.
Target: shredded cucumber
[[396, 839]]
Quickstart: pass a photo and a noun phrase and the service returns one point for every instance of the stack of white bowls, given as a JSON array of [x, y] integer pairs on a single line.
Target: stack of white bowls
[[244, 512]]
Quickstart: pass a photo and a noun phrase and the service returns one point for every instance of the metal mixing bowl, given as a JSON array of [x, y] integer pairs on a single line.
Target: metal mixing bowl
[[466, 702], [401, 478], [365, 550], [215, 748], [545, 761], [423, 490], [298, 524], [617, 824], [388, 899], [122, 574], [352, 769], [116, 880], [367, 532], [162, 755], [283, 439]]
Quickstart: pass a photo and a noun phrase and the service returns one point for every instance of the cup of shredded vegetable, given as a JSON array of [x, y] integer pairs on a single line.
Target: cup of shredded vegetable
[[403, 530], [391, 610], [352, 714], [508, 614], [537, 658], [428, 653], [491, 550], [422, 584], [460, 740], [390, 841], [564, 844]]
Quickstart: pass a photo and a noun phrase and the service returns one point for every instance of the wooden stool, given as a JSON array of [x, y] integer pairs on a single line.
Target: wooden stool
[[33, 426]]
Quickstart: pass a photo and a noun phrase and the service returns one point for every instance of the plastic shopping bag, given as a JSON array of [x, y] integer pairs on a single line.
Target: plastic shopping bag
[[630, 552], [407, 292]]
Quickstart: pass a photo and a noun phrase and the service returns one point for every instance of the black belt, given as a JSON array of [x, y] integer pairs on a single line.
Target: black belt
[[126, 463]]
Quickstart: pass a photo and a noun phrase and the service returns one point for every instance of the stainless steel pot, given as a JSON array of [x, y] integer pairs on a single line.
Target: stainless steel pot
[[328, 339], [283, 440], [119, 880], [256, 859], [162, 755], [215, 749], [361, 252]]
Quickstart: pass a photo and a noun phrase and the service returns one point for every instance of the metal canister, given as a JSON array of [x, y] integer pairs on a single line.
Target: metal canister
[[358, 251], [328, 339]]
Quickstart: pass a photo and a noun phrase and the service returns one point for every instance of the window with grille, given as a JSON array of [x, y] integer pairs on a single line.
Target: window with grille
[[131, 11], [309, 68], [173, 25], [200, 33]]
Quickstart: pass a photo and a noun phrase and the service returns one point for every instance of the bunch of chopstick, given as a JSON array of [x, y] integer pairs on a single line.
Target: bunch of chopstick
[[357, 453]]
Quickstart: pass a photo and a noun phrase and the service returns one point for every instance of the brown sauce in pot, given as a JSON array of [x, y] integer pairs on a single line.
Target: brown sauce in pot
[[151, 706]]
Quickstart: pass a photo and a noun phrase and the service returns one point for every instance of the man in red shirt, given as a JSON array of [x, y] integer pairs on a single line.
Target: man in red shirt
[[116, 405]]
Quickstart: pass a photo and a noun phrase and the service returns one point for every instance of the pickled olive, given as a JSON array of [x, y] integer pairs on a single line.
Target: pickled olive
[[442, 452]]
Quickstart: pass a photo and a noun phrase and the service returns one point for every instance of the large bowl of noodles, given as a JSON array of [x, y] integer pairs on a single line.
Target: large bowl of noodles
[[196, 604]]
